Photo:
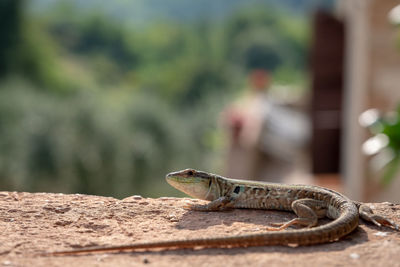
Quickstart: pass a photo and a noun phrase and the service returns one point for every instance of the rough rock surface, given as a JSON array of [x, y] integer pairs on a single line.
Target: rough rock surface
[[32, 223]]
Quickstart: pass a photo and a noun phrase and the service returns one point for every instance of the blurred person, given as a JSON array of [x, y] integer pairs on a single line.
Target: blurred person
[[265, 137], [244, 120]]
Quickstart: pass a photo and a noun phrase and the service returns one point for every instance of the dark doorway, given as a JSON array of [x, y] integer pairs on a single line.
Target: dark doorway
[[327, 56]]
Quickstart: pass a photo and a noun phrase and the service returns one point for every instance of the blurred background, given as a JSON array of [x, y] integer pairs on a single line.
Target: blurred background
[[105, 98]]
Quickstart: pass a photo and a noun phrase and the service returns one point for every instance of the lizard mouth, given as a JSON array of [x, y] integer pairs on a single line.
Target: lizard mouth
[[189, 182]]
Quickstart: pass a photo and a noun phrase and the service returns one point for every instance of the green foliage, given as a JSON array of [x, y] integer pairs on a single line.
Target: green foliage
[[10, 34], [27, 50], [389, 127], [264, 38], [178, 61], [84, 143], [107, 108], [97, 35]]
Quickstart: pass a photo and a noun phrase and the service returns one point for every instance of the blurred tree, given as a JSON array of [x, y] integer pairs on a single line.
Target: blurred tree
[[140, 100], [26, 50], [385, 143], [266, 38], [10, 35], [97, 35]]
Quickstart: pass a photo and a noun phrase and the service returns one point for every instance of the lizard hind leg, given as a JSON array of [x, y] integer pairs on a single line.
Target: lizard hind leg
[[367, 214], [308, 212]]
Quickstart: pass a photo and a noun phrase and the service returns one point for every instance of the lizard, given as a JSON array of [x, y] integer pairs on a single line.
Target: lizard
[[308, 202]]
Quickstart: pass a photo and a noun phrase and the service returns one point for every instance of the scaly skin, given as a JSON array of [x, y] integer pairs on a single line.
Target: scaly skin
[[308, 202]]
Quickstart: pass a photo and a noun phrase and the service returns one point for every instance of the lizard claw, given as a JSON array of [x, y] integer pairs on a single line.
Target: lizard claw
[[277, 224], [273, 228], [382, 221]]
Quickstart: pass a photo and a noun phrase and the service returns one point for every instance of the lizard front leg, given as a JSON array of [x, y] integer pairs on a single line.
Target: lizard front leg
[[220, 204], [308, 210]]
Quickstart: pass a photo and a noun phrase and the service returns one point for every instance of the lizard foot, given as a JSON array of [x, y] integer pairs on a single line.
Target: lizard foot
[[382, 221], [276, 226], [282, 226], [367, 214], [273, 228]]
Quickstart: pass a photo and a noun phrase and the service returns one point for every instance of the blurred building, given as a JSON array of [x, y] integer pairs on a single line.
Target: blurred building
[[371, 80], [355, 66], [326, 62]]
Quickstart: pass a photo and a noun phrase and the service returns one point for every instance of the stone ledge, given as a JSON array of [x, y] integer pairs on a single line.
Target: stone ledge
[[33, 223]]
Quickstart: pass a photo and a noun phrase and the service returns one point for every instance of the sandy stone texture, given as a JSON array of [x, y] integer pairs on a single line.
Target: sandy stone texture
[[33, 223]]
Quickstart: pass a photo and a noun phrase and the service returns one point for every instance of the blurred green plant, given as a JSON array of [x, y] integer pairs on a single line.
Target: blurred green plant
[[266, 38], [385, 144], [27, 50], [85, 143], [107, 108], [177, 61]]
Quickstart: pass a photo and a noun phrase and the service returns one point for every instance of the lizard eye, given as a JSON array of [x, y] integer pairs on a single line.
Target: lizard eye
[[237, 190]]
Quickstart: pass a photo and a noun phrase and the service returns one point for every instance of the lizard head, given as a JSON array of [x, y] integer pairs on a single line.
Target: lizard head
[[196, 184]]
